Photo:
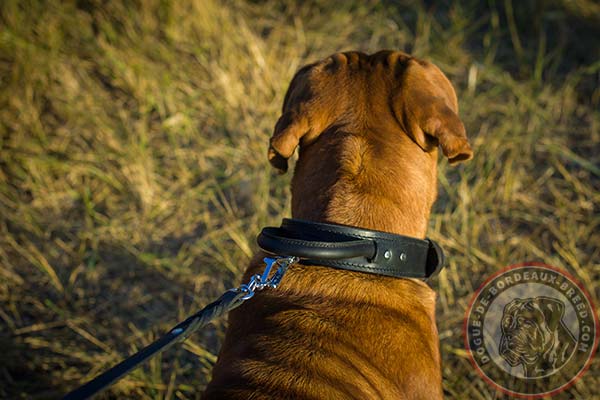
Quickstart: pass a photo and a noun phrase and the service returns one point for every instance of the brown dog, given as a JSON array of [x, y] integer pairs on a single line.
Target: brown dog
[[368, 127]]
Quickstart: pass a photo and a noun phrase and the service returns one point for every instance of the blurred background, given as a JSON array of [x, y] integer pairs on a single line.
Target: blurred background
[[134, 178]]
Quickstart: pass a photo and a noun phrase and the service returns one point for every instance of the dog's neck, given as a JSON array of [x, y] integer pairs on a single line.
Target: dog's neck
[[387, 183], [319, 323]]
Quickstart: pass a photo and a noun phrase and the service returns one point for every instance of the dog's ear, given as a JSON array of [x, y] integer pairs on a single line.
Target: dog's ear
[[289, 129], [552, 309], [426, 107], [300, 118]]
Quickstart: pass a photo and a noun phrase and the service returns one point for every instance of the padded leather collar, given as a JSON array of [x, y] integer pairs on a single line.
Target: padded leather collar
[[354, 249]]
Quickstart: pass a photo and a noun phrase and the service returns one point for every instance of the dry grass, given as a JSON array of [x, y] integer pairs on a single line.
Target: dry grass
[[133, 176]]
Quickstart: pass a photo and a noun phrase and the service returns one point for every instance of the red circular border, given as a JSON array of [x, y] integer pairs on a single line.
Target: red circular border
[[576, 377]]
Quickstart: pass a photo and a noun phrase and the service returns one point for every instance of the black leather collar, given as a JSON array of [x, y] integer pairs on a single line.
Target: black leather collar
[[354, 249]]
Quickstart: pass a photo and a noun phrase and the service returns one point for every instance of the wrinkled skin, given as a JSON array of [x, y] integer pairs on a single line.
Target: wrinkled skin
[[368, 129]]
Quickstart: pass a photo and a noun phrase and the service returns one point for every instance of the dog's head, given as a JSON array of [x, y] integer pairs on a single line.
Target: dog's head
[[368, 128], [529, 329], [387, 91]]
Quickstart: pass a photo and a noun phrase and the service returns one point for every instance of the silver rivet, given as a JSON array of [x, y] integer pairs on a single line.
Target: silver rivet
[[387, 254], [403, 256]]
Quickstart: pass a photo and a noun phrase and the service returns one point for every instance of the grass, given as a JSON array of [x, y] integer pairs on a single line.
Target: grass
[[134, 179]]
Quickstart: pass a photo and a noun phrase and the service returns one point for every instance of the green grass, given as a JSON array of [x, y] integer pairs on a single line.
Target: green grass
[[134, 178]]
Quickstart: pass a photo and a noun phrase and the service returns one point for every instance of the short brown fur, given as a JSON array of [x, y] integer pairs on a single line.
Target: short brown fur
[[368, 127]]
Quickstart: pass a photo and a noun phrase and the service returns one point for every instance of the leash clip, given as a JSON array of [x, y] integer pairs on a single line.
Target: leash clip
[[260, 282]]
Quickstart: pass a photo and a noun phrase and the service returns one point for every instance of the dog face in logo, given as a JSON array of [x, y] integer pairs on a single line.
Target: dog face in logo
[[534, 336]]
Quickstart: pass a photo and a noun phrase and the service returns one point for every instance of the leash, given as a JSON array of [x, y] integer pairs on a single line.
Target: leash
[[231, 299], [306, 242]]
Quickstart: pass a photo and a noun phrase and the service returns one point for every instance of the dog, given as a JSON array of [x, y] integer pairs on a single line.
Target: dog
[[535, 336], [368, 128]]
